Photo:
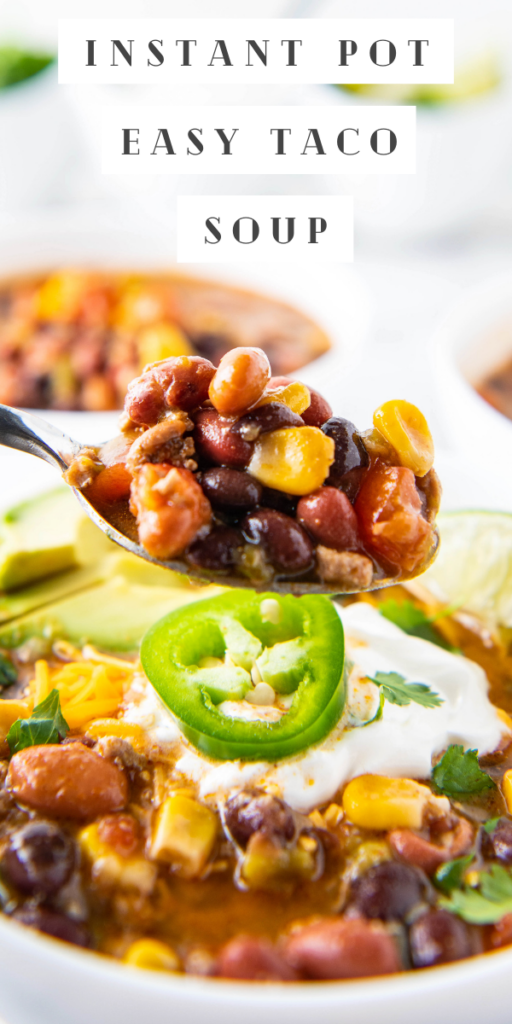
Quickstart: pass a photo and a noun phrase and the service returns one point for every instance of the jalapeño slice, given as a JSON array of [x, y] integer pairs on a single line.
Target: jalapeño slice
[[202, 654]]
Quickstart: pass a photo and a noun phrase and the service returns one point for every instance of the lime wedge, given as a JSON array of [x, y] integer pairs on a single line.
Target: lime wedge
[[473, 569]]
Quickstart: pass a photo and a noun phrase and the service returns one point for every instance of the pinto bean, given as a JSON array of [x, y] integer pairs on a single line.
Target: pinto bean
[[252, 811], [177, 382], [67, 781], [249, 958], [53, 923], [318, 412], [216, 442], [427, 855], [336, 948], [438, 937], [240, 380]]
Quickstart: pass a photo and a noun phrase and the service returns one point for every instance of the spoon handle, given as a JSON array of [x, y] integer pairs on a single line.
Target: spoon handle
[[31, 434]]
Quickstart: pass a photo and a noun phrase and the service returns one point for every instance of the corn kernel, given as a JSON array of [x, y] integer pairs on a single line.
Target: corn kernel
[[506, 719], [333, 815], [506, 787], [114, 727], [152, 955], [11, 710], [380, 803], [139, 304], [316, 818], [295, 460], [109, 868], [366, 856], [162, 341], [267, 864], [406, 429], [295, 395], [60, 296], [184, 834]]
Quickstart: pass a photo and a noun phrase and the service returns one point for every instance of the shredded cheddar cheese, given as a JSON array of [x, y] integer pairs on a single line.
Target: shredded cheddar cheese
[[90, 687]]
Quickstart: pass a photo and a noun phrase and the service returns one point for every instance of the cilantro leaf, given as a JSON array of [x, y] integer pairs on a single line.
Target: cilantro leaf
[[413, 621], [459, 774], [491, 825], [45, 725], [487, 905], [450, 874], [8, 674], [397, 691]]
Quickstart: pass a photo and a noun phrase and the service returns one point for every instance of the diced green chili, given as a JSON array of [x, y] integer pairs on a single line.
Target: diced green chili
[[302, 654]]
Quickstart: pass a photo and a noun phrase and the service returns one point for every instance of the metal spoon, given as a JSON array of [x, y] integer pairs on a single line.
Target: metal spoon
[[31, 434]]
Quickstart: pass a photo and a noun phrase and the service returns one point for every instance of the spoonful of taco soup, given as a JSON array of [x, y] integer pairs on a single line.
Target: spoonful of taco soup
[[231, 473]]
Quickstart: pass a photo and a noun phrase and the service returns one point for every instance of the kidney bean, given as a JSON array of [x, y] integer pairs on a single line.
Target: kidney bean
[[284, 541], [67, 781], [388, 508], [427, 855], [278, 382], [229, 488], [218, 551], [388, 891], [499, 843], [318, 412], [215, 441], [39, 859], [185, 380], [171, 508], [336, 948], [53, 923], [121, 831], [349, 452], [251, 811], [329, 517], [274, 416], [250, 958], [239, 381], [438, 937], [501, 933]]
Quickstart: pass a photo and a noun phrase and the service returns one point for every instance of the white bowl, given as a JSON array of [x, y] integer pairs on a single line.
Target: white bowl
[[46, 981], [474, 339]]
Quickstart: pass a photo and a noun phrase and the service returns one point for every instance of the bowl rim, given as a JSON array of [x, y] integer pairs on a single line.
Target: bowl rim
[[193, 988]]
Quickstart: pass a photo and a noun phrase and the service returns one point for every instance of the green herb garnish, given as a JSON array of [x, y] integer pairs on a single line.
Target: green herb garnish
[[395, 690], [17, 65], [413, 621], [458, 773], [8, 674], [487, 904], [449, 876], [45, 725], [491, 825]]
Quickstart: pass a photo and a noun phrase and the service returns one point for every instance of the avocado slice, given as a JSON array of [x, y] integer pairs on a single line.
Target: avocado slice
[[114, 615], [37, 538]]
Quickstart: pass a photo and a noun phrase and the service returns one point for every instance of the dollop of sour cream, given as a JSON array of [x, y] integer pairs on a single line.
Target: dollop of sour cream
[[401, 743]]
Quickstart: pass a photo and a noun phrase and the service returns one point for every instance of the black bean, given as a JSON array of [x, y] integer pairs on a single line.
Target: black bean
[[499, 842], [284, 541], [349, 451], [218, 551], [229, 488], [52, 922], [251, 811], [281, 502], [274, 416], [387, 891], [39, 859], [438, 937], [212, 346]]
